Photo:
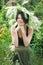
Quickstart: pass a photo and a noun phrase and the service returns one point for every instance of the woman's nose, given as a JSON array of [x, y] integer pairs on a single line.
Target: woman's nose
[[19, 20]]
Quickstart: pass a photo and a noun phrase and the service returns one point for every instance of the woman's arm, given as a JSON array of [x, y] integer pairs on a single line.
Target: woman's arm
[[27, 39], [14, 36]]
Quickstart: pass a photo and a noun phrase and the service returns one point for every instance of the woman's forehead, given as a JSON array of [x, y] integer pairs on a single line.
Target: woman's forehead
[[19, 15]]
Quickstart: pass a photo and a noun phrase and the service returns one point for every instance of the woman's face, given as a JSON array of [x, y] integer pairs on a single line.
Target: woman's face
[[20, 20]]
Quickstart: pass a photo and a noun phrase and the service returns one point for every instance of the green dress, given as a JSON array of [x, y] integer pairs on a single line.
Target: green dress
[[22, 52]]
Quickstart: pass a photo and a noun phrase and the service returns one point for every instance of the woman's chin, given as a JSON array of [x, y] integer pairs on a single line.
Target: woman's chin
[[21, 24]]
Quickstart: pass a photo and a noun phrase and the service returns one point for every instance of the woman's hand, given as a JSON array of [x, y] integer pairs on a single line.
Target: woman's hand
[[12, 48], [17, 28], [22, 29]]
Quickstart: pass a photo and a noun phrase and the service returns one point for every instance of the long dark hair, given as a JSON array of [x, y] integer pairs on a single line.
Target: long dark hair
[[25, 19]]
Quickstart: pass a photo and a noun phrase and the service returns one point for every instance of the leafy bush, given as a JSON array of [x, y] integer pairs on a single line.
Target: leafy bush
[[36, 56], [5, 40], [39, 10], [34, 2], [31, 4], [37, 47], [1, 3]]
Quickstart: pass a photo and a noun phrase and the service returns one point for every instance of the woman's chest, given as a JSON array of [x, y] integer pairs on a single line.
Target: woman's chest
[[20, 34]]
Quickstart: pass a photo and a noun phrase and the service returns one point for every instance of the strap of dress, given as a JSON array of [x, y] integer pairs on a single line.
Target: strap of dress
[[26, 31]]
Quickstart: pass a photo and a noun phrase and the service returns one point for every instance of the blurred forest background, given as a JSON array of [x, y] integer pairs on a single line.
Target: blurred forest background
[[36, 44]]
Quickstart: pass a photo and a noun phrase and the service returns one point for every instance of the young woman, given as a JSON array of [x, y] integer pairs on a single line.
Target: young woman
[[21, 37]]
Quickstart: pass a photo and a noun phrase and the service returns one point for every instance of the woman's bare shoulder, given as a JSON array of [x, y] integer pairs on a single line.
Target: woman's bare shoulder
[[30, 30], [12, 27]]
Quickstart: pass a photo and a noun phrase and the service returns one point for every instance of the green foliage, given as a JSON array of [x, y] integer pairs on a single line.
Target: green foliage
[[31, 4], [28, 6], [9, 3], [34, 2], [4, 12], [1, 3], [3, 19], [19, 1], [36, 46], [39, 10], [5, 40]]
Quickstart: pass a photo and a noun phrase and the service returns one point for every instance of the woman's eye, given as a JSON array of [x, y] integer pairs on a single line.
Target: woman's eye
[[19, 18]]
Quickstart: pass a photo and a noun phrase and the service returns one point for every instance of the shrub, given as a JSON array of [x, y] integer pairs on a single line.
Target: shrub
[[39, 10]]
